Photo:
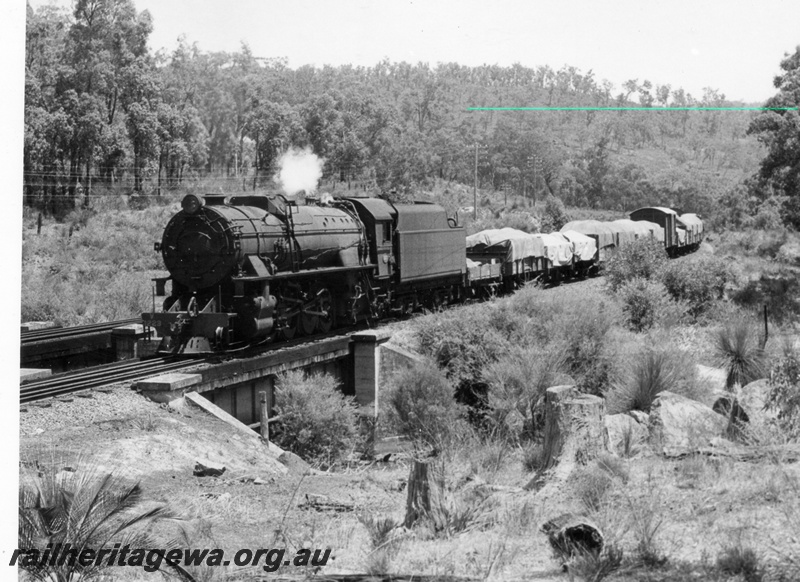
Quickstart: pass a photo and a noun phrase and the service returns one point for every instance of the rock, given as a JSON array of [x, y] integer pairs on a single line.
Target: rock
[[728, 406], [292, 461], [622, 427], [680, 426], [747, 404], [255, 480], [207, 469], [639, 416], [753, 399]]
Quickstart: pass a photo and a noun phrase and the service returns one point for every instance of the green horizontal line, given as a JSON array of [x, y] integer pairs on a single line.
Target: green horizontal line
[[632, 108]]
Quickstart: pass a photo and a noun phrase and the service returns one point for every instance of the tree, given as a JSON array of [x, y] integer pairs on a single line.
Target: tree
[[779, 131], [598, 167], [274, 127]]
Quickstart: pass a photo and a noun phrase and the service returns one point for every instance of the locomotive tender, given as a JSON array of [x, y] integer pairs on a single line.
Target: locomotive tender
[[247, 269]]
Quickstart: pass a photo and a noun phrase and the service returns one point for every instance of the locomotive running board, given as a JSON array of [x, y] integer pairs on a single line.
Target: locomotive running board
[[307, 273]]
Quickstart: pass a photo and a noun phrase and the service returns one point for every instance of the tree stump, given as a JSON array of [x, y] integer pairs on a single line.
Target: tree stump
[[574, 432], [424, 485]]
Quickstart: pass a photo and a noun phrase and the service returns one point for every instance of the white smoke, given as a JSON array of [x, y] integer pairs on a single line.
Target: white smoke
[[299, 170]]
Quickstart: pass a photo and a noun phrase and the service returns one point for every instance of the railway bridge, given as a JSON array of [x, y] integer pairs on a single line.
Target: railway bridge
[[358, 360]]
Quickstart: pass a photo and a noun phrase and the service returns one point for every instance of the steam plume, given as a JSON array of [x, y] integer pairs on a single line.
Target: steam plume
[[299, 170]]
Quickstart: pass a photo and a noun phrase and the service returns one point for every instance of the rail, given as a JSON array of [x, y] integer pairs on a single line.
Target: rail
[[69, 382], [39, 335]]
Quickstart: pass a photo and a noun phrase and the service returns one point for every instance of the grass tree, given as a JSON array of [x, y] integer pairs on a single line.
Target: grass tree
[[90, 509], [655, 368], [740, 351]]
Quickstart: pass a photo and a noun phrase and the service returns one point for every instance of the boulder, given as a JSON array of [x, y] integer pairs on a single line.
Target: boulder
[[746, 405], [753, 399], [728, 406], [680, 426], [620, 427], [639, 416]]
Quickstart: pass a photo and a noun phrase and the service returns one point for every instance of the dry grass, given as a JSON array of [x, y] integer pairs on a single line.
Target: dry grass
[[99, 272], [681, 510]]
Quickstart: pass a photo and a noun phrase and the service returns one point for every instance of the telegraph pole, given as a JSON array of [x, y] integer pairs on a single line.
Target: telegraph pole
[[475, 186]]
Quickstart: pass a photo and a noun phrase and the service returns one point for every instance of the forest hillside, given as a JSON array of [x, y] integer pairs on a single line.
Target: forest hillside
[[104, 114]]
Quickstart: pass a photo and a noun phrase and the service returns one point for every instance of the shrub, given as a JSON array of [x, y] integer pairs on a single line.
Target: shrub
[[646, 303], [646, 518], [318, 422], [422, 406], [768, 243], [532, 457], [780, 292], [384, 545], [559, 320], [591, 485], [487, 456], [463, 346], [591, 353], [698, 281], [592, 567], [739, 353], [456, 511], [737, 559], [79, 218], [555, 215], [647, 374], [521, 220], [629, 446], [614, 466], [640, 259], [517, 383]]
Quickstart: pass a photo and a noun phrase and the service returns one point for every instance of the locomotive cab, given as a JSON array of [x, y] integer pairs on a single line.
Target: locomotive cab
[[378, 217]]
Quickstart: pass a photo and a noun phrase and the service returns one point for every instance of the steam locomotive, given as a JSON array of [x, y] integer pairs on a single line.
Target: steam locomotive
[[247, 269]]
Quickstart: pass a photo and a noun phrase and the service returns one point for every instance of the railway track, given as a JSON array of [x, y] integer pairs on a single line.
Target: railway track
[[70, 382], [39, 335], [98, 376]]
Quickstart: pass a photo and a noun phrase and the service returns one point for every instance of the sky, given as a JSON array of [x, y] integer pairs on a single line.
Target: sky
[[734, 46]]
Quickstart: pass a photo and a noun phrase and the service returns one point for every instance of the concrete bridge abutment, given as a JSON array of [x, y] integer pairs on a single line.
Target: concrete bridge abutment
[[360, 362]]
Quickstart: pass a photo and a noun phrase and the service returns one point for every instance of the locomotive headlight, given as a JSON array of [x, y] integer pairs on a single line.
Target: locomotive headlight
[[191, 204]]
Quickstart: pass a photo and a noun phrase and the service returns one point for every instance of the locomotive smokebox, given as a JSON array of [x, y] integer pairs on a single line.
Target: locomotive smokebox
[[199, 245]]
